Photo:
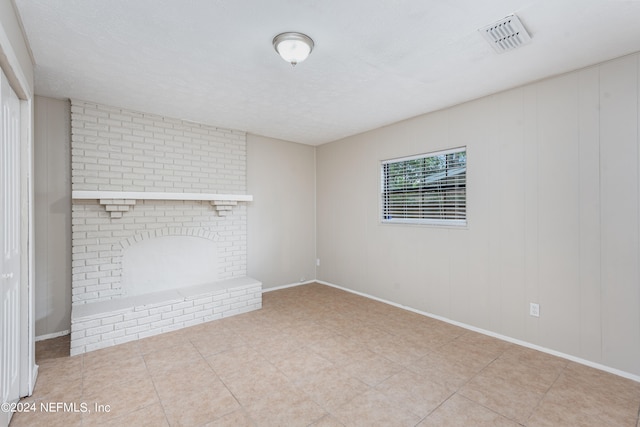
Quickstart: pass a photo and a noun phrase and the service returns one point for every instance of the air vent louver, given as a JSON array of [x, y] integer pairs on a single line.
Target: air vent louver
[[506, 34]]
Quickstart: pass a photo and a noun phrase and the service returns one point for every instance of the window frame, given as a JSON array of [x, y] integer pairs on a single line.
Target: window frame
[[439, 222]]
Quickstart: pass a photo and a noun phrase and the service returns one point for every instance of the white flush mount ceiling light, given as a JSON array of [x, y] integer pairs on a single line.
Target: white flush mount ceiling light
[[293, 47], [506, 34]]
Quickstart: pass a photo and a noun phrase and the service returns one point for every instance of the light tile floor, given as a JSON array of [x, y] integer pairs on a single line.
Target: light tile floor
[[315, 355]]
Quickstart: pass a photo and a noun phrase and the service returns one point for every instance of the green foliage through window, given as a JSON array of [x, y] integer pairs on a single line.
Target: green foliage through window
[[430, 188]]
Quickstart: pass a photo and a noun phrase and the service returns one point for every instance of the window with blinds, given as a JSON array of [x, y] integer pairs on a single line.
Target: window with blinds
[[426, 189]]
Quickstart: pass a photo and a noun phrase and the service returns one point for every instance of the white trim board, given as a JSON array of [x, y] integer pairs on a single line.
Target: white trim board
[[53, 335], [579, 360], [291, 285]]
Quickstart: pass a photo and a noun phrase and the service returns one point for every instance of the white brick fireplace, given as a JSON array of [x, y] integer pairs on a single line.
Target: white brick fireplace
[[138, 179]]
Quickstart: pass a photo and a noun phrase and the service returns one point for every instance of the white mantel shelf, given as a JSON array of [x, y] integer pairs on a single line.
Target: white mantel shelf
[[118, 202], [143, 195]]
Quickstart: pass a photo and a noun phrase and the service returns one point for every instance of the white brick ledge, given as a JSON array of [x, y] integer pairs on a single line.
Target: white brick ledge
[[107, 323], [118, 202]]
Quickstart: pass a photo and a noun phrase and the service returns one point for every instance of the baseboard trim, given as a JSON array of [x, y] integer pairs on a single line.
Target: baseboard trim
[[291, 285], [53, 335], [579, 360]]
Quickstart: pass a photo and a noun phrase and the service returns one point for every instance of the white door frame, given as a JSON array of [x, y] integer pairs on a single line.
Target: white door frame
[[28, 368], [23, 88]]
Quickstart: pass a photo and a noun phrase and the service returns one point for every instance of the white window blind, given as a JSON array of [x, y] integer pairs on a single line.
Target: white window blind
[[426, 189]]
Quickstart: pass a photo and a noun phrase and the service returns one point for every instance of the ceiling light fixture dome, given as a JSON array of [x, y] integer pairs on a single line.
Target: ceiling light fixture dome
[[293, 47]]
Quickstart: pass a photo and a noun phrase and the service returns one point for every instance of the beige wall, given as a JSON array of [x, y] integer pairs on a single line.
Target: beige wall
[[553, 196], [281, 239], [52, 181]]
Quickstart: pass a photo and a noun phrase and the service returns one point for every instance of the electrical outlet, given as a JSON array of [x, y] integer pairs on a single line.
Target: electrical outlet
[[534, 309], [317, 262]]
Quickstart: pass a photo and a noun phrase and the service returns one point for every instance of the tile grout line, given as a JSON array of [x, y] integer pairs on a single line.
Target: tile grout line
[[155, 389], [547, 391], [241, 407]]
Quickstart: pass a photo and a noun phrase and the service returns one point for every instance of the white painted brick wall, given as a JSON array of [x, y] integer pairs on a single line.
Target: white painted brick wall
[[104, 329], [120, 150]]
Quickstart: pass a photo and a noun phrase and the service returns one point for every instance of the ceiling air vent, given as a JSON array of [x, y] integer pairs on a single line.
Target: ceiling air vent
[[506, 34]]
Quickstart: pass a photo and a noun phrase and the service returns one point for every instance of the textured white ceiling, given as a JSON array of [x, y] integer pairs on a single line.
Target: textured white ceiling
[[375, 61]]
